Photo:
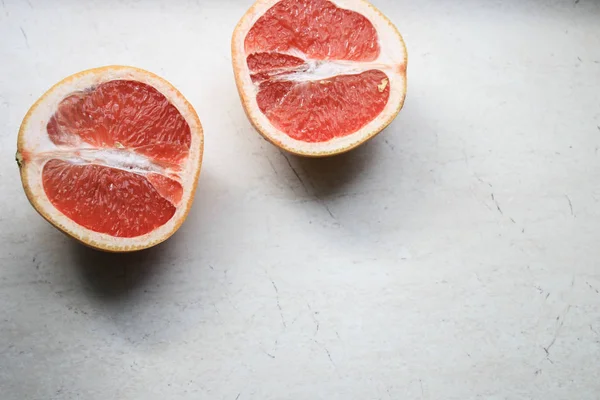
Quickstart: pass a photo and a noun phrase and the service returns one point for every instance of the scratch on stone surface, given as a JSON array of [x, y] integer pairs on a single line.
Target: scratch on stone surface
[[315, 320], [295, 319], [557, 332], [324, 204], [593, 288], [512, 220], [329, 356], [482, 181], [275, 287], [326, 352], [389, 145], [287, 159], [76, 310], [541, 291], [279, 304], [351, 195], [465, 157], [570, 205], [422, 391], [29, 4], [272, 166], [238, 396], [328, 210], [228, 298], [497, 205], [593, 330], [483, 203], [25, 36], [269, 354], [306, 189]]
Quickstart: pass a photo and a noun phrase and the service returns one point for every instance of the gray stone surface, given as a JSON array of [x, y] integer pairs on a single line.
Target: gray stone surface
[[455, 256]]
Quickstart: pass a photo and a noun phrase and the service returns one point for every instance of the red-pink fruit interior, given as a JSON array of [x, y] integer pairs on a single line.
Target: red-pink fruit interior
[[127, 117], [283, 42], [317, 28], [106, 199], [318, 110], [124, 114]]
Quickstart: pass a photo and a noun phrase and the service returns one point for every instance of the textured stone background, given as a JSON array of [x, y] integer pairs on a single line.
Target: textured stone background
[[455, 256]]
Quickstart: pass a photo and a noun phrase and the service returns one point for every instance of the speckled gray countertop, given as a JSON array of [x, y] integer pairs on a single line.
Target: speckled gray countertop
[[455, 256]]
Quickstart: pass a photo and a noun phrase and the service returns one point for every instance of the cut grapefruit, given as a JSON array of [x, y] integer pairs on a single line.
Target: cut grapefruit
[[111, 156], [318, 77]]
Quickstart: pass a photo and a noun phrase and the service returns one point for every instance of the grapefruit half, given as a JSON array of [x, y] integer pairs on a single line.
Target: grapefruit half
[[319, 77], [111, 156]]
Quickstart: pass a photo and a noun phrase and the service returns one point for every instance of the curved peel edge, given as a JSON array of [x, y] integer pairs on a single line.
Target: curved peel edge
[[32, 136], [393, 53]]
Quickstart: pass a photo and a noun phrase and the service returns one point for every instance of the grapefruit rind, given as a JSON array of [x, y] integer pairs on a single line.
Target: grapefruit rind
[[392, 60], [33, 139]]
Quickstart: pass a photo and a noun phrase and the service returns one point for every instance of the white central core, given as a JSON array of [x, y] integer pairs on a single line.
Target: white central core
[[324, 69], [123, 159]]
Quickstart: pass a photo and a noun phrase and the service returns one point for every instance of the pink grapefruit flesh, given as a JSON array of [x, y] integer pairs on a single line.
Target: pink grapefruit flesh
[[315, 71], [117, 160]]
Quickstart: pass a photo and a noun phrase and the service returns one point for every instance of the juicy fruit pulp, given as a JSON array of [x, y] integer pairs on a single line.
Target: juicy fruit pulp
[[121, 145], [310, 61], [105, 199]]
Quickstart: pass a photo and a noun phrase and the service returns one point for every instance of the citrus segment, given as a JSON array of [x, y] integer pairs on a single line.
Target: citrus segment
[[317, 111], [317, 28], [259, 62], [104, 199], [166, 187], [121, 114]]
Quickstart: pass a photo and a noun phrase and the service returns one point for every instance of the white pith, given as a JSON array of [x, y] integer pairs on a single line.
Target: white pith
[[315, 70], [122, 159], [392, 61], [36, 148]]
